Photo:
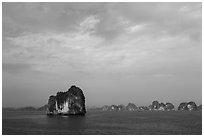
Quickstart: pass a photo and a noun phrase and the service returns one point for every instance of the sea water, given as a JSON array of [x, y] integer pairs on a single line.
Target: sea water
[[101, 122]]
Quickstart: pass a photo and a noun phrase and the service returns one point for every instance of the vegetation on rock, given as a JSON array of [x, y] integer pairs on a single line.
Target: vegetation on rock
[[69, 102]]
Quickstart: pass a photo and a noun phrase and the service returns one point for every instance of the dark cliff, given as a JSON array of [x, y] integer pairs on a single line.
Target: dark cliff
[[71, 102]]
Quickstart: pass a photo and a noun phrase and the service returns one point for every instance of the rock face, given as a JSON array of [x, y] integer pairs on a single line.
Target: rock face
[[155, 105], [182, 106], [113, 108], [187, 106], [191, 106], [121, 107], [71, 102], [131, 107], [199, 107], [169, 106], [161, 106], [143, 108]]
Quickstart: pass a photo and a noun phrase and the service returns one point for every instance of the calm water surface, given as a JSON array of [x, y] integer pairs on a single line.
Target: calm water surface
[[98, 122]]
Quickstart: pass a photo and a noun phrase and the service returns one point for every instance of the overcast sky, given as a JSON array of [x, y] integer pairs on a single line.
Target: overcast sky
[[115, 52]]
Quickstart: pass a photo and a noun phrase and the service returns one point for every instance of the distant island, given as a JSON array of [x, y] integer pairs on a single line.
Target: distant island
[[130, 107], [28, 108], [155, 106], [72, 102]]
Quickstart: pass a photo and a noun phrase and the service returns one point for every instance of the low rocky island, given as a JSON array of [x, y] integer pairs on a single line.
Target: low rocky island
[[190, 106], [155, 106], [71, 102]]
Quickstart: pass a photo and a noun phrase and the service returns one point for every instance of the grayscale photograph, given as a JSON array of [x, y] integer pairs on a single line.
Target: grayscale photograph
[[101, 68]]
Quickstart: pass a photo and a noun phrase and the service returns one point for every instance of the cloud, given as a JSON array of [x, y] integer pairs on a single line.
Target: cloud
[[15, 67], [49, 50], [115, 18], [104, 47], [88, 25], [128, 38], [42, 17]]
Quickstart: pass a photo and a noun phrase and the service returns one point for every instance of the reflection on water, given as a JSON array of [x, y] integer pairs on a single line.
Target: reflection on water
[[72, 123]]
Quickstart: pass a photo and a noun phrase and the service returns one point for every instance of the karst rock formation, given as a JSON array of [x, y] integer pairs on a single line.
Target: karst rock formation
[[71, 102], [190, 106], [161, 106]]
